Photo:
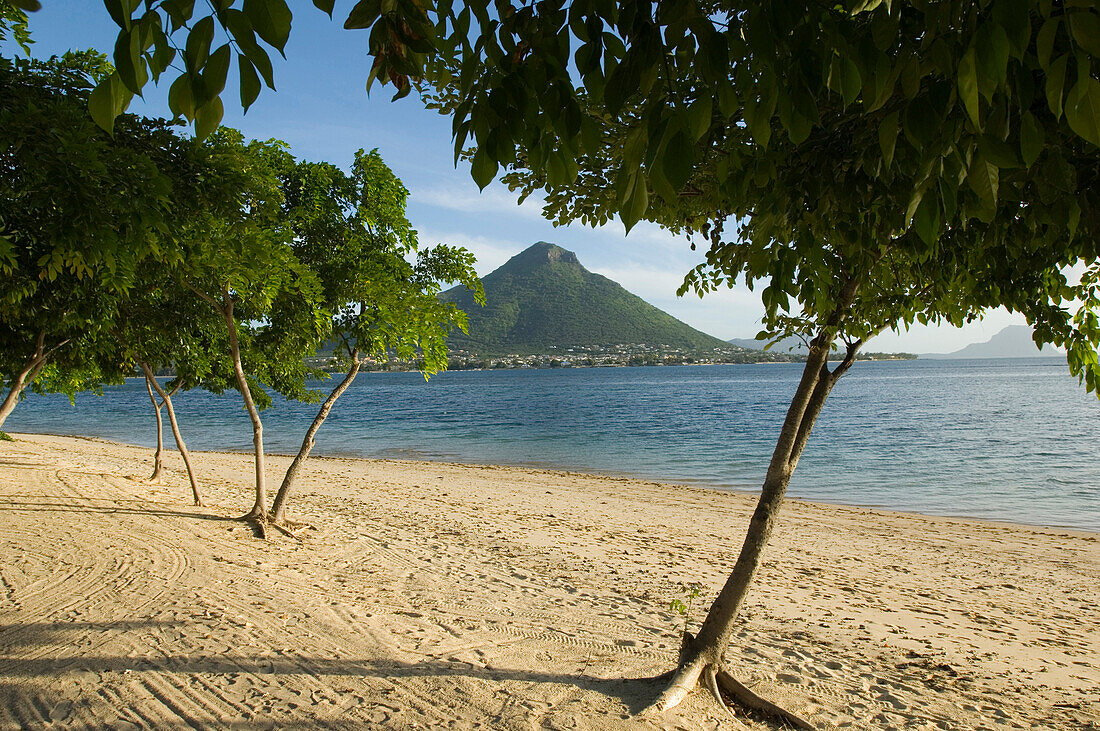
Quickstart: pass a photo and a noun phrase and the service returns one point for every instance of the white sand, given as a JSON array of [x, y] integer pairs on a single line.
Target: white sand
[[449, 596]]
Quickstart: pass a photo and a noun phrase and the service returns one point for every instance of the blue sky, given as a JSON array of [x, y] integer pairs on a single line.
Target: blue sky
[[322, 109]]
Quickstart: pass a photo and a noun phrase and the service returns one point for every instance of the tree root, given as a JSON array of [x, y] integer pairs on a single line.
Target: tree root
[[286, 530], [747, 698], [719, 683], [709, 677], [258, 521]]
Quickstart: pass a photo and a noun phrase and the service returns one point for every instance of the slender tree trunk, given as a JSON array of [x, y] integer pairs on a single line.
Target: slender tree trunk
[[801, 416], [24, 378], [259, 509], [278, 507], [701, 657], [157, 458], [167, 399]]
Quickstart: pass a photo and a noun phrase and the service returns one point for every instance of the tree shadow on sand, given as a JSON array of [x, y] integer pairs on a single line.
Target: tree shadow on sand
[[111, 506], [634, 693]]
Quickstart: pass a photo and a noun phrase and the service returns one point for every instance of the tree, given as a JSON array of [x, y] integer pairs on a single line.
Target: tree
[[158, 455], [877, 163], [163, 325], [237, 257], [351, 231], [79, 210]]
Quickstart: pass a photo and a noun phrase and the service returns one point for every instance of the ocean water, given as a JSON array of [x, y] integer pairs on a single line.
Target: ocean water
[[1014, 440]]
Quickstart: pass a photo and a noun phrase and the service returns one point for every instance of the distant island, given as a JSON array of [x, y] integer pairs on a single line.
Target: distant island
[[1012, 342]]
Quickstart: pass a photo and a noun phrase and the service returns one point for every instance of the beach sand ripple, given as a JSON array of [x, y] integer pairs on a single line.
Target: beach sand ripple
[[450, 596]]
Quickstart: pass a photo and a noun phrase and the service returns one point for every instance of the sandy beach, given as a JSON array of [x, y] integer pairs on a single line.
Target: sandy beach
[[449, 596]]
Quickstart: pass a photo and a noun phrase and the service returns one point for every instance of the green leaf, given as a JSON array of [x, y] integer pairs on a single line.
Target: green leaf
[[927, 219], [1056, 79], [208, 117], [622, 83], [216, 71], [262, 62], [677, 161], [363, 14], [325, 5], [921, 123], [914, 203], [1015, 17], [1044, 42], [1083, 109], [162, 56], [888, 136], [993, 50], [968, 86], [108, 100], [271, 20], [483, 168], [1085, 27], [699, 116], [129, 62], [250, 82], [758, 118], [844, 79], [179, 12], [727, 101], [197, 48], [1031, 139], [635, 204], [998, 152], [181, 100], [118, 12], [984, 178]]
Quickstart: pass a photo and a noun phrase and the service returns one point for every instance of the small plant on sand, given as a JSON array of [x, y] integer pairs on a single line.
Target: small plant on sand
[[682, 606], [5, 437]]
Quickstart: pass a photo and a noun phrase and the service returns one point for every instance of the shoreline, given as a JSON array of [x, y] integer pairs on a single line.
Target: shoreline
[[429, 594], [580, 471]]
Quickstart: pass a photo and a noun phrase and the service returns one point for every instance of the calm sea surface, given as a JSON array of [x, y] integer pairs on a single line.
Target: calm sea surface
[[1015, 440]]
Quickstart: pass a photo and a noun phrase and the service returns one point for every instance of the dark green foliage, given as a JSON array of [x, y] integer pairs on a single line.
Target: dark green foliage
[[543, 298], [377, 282], [80, 211], [940, 156]]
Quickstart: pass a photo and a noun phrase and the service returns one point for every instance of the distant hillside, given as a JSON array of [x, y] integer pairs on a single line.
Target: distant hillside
[[1012, 342], [543, 298]]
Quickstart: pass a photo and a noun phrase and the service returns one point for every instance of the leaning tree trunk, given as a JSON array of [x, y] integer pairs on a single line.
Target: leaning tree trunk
[[278, 507], [24, 378], [701, 657], [157, 458], [259, 509], [166, 397]]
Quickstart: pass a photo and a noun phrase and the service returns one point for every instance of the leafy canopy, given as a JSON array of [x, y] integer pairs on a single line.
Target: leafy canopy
[[940, 155], [13, 21], [352, 232], [80, 211]]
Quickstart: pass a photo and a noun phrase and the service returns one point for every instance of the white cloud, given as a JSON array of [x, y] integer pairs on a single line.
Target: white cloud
[[725, 313], [490, 252], [465, 199]]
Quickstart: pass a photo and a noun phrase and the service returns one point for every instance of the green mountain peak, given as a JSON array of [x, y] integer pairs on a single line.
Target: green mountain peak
[[543, 298]]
